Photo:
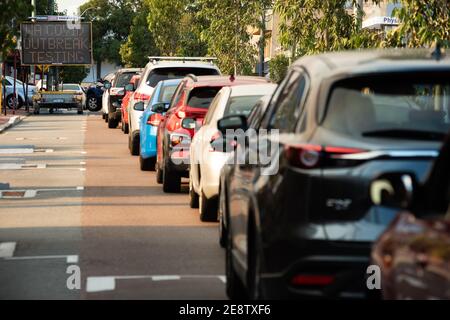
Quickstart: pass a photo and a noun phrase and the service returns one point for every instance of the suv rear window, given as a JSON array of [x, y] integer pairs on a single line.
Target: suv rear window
[[202, 97], [241, 105], [123, 79], [160, 74], [403, 106]]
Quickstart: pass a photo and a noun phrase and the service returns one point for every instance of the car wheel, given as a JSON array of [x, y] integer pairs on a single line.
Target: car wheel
[[207, 208], [10, 101], [234, 286], [159, 175], [147, 164], [51, 110], [125, 128], [112, 123], [193, 196], [171, 181], [92, 103], [106, 117], [134, 144]]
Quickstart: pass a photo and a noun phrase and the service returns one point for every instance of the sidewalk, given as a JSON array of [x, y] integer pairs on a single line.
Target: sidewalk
[[11, 119]]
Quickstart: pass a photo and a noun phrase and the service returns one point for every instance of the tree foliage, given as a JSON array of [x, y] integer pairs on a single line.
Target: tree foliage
[[278, 67]]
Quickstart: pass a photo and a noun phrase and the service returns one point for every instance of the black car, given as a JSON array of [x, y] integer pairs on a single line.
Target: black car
[[302, 224], [94, 96]]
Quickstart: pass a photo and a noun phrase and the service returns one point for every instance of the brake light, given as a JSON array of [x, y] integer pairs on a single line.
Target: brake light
[[181, 114], [117, 92], [154, 119], [141, 96], [309, 156], [312, 280]]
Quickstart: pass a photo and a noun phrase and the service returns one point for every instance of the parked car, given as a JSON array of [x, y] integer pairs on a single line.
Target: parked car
[[8, 91], [105, 97], [77, 89], [413, 254], [164, 68], [94, 94], [208, 153], [190, 101], [125, 106], [150, 121], [253, 120], [116, 92], [301, 223]]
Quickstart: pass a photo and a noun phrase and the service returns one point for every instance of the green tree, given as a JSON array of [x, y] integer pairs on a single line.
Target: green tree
[[72, 74], [11, 14], [278, 67], [422, 23], [228, 34], [140, 43]]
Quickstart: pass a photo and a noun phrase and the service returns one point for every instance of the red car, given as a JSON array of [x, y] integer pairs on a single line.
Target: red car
[[190, 101], [413, 254], [124, 107]]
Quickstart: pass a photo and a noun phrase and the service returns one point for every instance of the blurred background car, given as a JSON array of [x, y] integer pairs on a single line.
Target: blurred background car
[[306, 228], [19, 100], [125, 106], [105, 97], [150, 121], [209, 148], [413, 254], [94, 94], [77, 89]]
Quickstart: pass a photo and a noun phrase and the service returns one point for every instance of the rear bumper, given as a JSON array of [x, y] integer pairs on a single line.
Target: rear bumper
[[75, 105], [148, 141]]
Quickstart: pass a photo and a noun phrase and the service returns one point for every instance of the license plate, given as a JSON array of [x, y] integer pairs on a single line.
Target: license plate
[[58, 100]]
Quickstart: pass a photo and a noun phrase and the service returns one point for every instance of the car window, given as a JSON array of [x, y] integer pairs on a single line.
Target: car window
[[166, 93], [265, 121], [123, 79], [178, 94], [70, 87], [160, 74], [241, 105], [406, 106], [212, 108], [288, 107], [8, 83], [201, 97]]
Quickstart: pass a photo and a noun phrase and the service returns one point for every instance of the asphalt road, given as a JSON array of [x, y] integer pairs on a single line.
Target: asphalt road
[[78, 204]]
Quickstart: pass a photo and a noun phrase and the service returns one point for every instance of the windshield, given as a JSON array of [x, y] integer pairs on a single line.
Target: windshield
[[70, 87], [202, 97], [161, 74], [241, 105], [166, 93], [123, 79], [401, 107]]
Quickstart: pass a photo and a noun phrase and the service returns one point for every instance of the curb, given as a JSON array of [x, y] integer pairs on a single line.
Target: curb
[[11, 123]]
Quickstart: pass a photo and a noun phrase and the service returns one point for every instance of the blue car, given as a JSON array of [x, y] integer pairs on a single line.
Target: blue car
[[163, 93]]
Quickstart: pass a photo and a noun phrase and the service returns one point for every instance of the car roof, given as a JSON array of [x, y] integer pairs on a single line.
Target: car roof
[[221, 81], [253, 89], [129, 70], [356, 62], [180, 64]]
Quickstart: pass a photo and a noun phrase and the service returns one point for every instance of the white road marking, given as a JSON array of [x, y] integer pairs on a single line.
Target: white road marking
[[20, 166], [98, 284], [223, 279], [82, 163], [72, 259], [16, 150], [80, 188], [108, 283], [82, 169], [33, 193], [68, 258], [7, 249]]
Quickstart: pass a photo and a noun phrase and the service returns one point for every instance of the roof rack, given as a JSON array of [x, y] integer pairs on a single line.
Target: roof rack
[[155, 59]]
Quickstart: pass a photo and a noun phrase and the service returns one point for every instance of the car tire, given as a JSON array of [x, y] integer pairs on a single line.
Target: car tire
[[207, 208], [171, 181], [106, 117], [254, 263], [134, 144], [112, 123], [92, 103], [193, 196], [147, 164], [159, 175], [10, 102], [125, 128], [234, 287]]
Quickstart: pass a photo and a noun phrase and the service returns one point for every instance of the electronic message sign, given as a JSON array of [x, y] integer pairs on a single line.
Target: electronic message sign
[[56, 43]]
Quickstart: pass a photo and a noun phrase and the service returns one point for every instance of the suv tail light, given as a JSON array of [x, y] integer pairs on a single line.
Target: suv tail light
[[117, 92], [141, 96], [154, 119], [310, 156], [312, 280]]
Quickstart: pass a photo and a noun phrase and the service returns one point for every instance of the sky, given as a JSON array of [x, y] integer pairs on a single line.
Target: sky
[[70, 5]]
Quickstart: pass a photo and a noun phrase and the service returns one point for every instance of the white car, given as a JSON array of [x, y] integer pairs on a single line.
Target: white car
[[162, 68], [20, 92], [206, 161], [105, 98], [77, 88]]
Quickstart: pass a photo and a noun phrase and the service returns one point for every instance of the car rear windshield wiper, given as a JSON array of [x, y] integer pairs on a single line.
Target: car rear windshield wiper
[[406, 134]]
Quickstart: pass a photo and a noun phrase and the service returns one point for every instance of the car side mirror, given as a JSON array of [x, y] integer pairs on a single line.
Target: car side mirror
[[188, 123], [393, 190], [160, 107], [233, 122], [139, 106], [107, 84], [129, 87]]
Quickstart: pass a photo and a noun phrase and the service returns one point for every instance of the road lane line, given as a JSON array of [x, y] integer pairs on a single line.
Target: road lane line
[[165, 278], [98, 284], [68, 258], [7, 249]]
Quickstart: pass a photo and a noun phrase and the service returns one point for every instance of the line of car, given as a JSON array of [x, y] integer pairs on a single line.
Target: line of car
[[307, 177]]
